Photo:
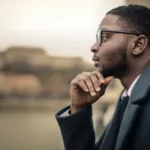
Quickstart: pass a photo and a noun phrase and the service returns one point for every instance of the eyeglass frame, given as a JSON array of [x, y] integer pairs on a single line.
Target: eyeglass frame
[[113, 31]]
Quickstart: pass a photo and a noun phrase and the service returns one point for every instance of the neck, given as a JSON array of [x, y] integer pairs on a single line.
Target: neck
[[131, 74]]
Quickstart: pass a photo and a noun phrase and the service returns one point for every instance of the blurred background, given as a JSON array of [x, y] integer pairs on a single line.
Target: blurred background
[[44, 44]]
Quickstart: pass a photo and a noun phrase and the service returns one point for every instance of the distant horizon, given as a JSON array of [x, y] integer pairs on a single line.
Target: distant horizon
[[48, 54]]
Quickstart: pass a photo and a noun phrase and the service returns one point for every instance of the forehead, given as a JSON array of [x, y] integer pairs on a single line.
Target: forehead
[[110, 22]]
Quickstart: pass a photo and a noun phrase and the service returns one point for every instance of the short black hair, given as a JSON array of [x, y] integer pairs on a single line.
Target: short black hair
[[135, 18]]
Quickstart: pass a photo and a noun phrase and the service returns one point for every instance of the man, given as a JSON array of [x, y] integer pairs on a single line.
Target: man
[[122, 51]]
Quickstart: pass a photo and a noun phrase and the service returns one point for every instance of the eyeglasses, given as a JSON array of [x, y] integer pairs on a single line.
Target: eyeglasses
[[99, 34]]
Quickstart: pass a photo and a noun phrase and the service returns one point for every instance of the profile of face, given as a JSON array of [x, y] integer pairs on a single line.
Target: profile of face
[[111, 48]]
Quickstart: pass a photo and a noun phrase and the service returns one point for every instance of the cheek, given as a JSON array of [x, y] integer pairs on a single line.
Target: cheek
[[112, 54]]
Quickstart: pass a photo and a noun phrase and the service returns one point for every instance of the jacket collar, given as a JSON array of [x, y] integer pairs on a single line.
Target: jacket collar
[[138, 95], [142, 86]]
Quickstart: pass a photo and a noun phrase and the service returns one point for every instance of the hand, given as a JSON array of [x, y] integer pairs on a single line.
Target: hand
[[86, 89]]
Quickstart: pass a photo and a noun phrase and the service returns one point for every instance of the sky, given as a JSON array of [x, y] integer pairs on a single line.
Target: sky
[[61, 27]]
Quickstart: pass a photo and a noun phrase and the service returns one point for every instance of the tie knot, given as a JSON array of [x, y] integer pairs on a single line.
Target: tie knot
[[124, 101], [126, 98]]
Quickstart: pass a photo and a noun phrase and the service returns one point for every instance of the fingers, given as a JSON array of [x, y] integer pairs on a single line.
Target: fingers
[[94, 79], [83, 85], [88, 82], [91, 82]]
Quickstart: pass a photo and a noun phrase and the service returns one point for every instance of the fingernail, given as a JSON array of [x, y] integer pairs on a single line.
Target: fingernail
[[93, 93], [98, 89]]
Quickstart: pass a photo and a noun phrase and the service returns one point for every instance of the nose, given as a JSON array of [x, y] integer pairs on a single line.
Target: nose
[[95, 48]]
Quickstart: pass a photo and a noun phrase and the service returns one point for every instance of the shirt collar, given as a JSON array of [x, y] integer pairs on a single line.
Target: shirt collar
[[128, 93]]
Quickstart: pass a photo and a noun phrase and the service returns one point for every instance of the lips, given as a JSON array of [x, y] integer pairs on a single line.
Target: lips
[[96, 61], [94, 58]]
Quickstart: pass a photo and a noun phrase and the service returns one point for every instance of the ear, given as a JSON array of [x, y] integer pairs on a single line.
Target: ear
[[140, 45]]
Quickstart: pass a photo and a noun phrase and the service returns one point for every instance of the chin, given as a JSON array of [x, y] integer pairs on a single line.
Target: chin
[[115, 72], [104, 72], [108, 71]]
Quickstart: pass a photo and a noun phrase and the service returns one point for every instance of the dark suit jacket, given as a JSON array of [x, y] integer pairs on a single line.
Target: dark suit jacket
[[134, 133]]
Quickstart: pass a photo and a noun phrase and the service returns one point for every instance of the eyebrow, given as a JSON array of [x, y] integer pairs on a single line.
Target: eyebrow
[[106, 28]]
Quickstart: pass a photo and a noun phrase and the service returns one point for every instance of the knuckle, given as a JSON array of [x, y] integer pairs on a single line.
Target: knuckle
[[98, 74], [84, 72], [81, 77], [73, 81], [78, 76], [95, 72], [92, 73], [94, 76]]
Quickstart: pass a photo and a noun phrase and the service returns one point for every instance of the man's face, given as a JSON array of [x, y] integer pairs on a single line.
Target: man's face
[[110, 57]]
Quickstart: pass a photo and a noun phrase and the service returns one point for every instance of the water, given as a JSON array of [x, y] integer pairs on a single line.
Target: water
[[29, 130], [31, 124]]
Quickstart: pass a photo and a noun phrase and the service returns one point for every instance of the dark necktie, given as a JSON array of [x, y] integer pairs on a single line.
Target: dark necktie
[[123, 105], [114, 127]]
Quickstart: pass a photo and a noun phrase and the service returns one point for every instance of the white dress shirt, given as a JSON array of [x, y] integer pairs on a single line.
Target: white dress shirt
[[125, 93]]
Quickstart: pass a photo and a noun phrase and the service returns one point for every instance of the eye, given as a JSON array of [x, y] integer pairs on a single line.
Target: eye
[[104, 38]]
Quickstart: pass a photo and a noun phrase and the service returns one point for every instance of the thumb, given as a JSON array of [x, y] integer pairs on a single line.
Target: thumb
[[108, 80]]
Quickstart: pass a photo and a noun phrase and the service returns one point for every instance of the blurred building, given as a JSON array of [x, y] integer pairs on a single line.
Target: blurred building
[[37, 57], [19, 85], [32, 55], [29, 71], [66, 62], [25, 67]]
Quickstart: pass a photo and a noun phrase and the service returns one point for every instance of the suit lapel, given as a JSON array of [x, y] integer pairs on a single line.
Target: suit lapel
[[126, 125], [111, 134], [140, 91]]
